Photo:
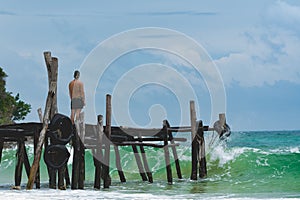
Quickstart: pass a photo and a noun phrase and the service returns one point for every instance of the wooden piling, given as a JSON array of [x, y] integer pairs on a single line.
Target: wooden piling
[[201, 153], [25, 159], [20, 161], [81, 177], [139, 163], [67, 176], [107, 141], [167, 154], [50, 110], [175, 155], [37, 156], [52, 68], [40, 114], [147, 169], [118, 164], [35, 140], [75, 164], [1, 148], [98, 155], [35, 143], [194, 141]]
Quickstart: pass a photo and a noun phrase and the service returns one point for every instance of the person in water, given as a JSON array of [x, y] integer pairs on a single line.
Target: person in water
[[76, 92]]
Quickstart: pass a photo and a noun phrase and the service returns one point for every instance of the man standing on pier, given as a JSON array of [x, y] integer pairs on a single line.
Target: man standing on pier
[[76, 92]]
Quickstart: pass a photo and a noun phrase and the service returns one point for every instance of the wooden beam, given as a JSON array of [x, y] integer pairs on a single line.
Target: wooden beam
[[146, 165], [50, 110], [40, 113], [119, 165], [194, 141], [175, 155], [139, 163], [107, 142], [97, 154], [37, 156], [201, 154]]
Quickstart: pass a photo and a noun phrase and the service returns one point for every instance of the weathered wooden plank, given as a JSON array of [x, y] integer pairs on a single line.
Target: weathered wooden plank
[[97, 153], [118, 164], [20, 161], [139, 163], [194, 141], [81, 177], [144, 144], [148, 172], [107, 142], [167, 154], [75, 164], [175, 155], [38, 151], [50, 110], [1, 148], [35, 142], [26, 160], [201, 154]]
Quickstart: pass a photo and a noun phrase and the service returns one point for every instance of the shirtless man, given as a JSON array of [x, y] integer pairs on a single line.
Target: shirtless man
[[76, 92]]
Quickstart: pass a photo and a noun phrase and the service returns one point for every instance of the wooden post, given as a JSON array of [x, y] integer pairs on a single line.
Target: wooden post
[[178, 170], [20, 161], [194, 141], [75, 164], [1, 148], [81, 177], [52, 67], [118, 164], [35, 143], [97, 156], [139, 163], [167, 154], [107, 141], [40, 113], [37, 156], [26, 160], [50, 110], [201, 154], [148, 172], [67, 176]]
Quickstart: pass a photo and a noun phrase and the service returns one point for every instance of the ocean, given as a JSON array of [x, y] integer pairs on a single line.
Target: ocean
[[249, 165]]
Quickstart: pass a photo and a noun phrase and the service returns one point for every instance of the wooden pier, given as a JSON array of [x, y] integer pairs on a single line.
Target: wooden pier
[[55, 130]]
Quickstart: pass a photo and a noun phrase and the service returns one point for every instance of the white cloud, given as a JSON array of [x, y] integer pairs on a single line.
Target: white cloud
[[270, 53], [283, 14]]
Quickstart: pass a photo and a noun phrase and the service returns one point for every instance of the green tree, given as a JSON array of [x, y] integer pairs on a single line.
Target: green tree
[[11, 108]]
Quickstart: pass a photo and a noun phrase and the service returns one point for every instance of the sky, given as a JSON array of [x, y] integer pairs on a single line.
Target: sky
[[237, 57]]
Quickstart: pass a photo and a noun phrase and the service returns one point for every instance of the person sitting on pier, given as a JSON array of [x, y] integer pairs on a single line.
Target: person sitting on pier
[[76, 92]]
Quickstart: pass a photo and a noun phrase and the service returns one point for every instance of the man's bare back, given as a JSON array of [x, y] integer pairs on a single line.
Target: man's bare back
[[77, 96]]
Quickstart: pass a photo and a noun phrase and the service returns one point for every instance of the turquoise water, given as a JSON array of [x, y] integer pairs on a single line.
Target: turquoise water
[[250, 165]]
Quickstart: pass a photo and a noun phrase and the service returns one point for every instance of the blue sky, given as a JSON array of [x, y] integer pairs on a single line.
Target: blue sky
[[254, 45]]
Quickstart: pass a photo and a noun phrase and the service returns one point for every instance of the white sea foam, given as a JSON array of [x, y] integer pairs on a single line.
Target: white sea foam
[[285, 150], [294, 150], [223, 155]]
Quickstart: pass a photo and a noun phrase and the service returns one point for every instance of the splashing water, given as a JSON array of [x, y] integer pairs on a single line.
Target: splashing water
[[249, 165]]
